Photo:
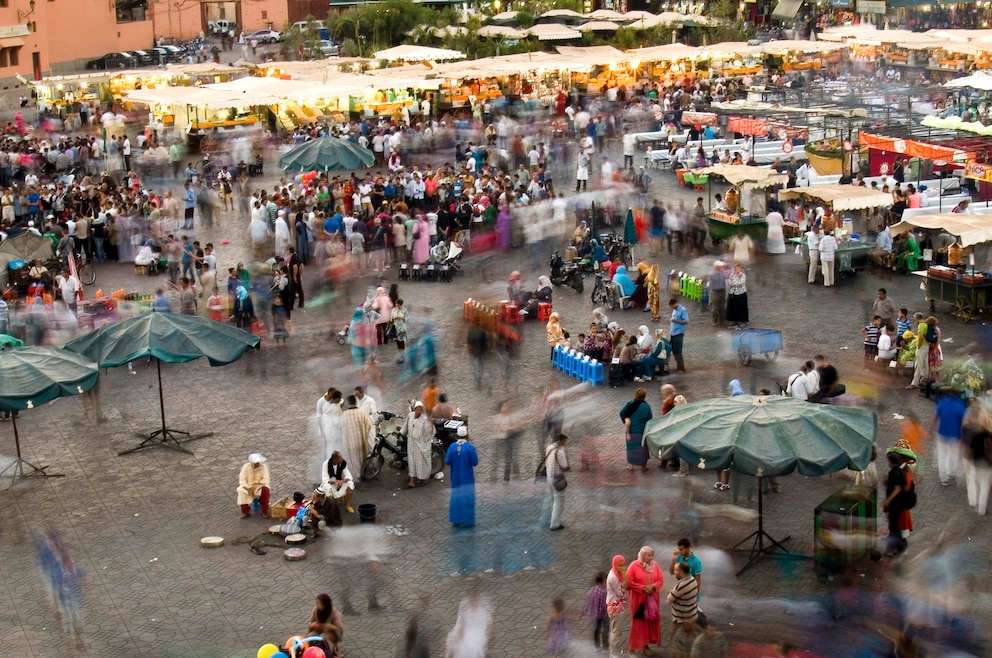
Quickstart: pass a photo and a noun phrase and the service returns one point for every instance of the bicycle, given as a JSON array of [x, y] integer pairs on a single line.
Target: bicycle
[[84, 269]]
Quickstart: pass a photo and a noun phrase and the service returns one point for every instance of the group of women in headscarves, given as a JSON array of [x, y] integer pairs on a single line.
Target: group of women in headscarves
[[642, 292], [525, 300]]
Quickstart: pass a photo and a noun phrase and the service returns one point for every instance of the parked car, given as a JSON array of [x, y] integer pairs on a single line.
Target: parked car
[[222, 26], [142, 57], [323, 48], [111, 61], [264, 36], [166, 54]]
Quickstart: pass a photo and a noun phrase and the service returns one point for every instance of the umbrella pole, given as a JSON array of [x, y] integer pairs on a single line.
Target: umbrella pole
[[18, 465], [757, 538], [165, 436]]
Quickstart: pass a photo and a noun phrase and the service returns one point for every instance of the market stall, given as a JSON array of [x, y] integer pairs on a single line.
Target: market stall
[[745, 203], [966, 288], [852, 252]]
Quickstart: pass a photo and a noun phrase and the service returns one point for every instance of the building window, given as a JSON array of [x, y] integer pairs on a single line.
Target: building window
[[12, 55], [3, 3], [3, 58], [265, 15]]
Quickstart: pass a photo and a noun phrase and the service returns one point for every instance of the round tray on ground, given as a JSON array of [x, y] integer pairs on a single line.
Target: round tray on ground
[[274, 529], [298, 538], [294, 554], [212, 542]]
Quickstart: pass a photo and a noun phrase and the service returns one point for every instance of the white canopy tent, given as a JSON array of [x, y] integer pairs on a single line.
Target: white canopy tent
[[598, 26], [553, 32], [410, 53], [971, 229], [841, 197]]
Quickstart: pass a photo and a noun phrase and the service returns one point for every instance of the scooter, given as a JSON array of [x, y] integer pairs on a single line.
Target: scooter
[[566, 274], [446, 431], [396, 444]]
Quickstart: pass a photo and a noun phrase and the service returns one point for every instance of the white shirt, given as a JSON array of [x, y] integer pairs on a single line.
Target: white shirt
[[69, 287], [813, 240], [828, 247], [799, 386], [629, 144]]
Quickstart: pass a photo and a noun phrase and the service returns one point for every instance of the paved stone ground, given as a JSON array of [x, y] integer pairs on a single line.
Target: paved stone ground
[[133, 523]]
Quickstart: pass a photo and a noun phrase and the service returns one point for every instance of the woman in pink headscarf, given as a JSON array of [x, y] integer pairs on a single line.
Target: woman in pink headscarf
[[644, 582], [616, 606], [421, 239]]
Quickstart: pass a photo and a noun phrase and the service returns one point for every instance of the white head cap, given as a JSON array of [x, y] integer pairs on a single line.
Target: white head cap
[[256, 458]]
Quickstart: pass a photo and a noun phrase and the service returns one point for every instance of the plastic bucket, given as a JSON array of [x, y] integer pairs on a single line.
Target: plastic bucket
[[366, 513]]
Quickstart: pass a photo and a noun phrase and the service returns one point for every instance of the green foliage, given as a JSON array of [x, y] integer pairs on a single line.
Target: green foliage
[[525, 18], [349, 48], [308, 38], [625, 38]]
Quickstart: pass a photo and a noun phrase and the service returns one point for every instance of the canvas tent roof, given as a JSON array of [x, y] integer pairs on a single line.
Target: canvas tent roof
[[971, 229], [745, 177], [841, 197], [410, 53], [553, 32]]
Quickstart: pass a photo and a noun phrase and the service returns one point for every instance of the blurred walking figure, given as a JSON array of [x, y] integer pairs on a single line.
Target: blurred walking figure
[[64, 580], [557, 629], [470, 636], [478, 347]]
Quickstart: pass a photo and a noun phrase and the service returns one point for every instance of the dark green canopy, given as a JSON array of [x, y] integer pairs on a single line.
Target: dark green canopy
[[169, 337], [630, 228], [776, 434], [326, 153], [32, 376]]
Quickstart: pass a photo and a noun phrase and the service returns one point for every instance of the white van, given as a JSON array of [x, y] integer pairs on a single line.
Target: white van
[[223, 27]]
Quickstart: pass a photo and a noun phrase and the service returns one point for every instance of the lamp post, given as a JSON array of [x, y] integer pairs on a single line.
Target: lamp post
[[22, 15]]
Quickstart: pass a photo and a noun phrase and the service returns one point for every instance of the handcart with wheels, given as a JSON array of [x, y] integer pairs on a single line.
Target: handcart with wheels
[[748, 342]]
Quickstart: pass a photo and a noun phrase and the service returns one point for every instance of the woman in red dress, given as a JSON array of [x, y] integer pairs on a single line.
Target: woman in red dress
[[644, 581]]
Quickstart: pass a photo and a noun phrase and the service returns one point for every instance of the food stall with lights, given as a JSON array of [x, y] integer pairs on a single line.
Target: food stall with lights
[[852, 252], [745, 203], [968, 289]]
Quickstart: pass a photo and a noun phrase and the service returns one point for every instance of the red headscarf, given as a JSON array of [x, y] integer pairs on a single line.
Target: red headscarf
[[617, 559]]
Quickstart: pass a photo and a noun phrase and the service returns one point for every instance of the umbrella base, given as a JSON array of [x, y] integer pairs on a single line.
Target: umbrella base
[[22, 469], [167, 438], [761, 544]]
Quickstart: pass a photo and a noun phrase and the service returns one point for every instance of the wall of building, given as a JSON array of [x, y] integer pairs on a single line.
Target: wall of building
[[185, 19], [66, 34]]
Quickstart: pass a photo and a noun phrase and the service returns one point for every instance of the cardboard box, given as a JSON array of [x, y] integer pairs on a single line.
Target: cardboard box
[[280, 508], [285, 508]]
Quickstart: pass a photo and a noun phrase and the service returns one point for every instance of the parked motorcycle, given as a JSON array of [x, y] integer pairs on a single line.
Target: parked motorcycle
[[395, 444], [566, 273]]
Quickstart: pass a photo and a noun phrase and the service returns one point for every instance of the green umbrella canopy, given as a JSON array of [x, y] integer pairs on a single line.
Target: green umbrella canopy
[[630, 228], [169, 337], [776, 434], [32, 376], [326, 153]]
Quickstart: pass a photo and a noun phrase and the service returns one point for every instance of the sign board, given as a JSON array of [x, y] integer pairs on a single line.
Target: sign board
[[7, 31], [871, 7]]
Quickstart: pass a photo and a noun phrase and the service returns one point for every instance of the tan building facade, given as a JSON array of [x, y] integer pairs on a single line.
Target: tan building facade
[[38, 37], [185, 19]]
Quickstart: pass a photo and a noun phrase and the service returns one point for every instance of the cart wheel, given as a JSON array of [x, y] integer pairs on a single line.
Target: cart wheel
[[962, 309], [611, 301], [771, 356], [744, 354], [208, 145]]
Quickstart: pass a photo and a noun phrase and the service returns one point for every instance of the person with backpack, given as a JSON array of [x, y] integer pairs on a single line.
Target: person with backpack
[[900, 496], [935, 357]]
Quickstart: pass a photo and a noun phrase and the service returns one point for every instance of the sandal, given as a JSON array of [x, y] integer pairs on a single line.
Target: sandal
[[724, 486]]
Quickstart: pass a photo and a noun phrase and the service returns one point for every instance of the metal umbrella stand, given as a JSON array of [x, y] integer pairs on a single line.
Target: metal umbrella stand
[[758, 538], [21, 468], [166, 437]]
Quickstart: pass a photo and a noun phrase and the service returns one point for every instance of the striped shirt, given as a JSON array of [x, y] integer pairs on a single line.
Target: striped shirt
[[682, 598], [556, 463]]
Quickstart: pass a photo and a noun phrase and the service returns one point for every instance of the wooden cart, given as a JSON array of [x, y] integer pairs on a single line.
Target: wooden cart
[[850, 256], [969, 296]]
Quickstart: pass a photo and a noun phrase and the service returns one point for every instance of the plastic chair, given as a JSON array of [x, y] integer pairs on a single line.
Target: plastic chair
[[556, 357], [573, 365], [597, 372], [543, 311], [510, 313]]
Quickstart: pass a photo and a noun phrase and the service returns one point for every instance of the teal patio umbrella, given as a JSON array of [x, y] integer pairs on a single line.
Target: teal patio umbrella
[[325, 154], [32, 376], [765, 436], [630, 228], [169, 338]]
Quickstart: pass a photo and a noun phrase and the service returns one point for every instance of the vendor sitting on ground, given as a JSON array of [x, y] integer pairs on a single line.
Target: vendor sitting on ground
[[253, 482], [907, 353], [322, 508], [337, 480], [909, 255]]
